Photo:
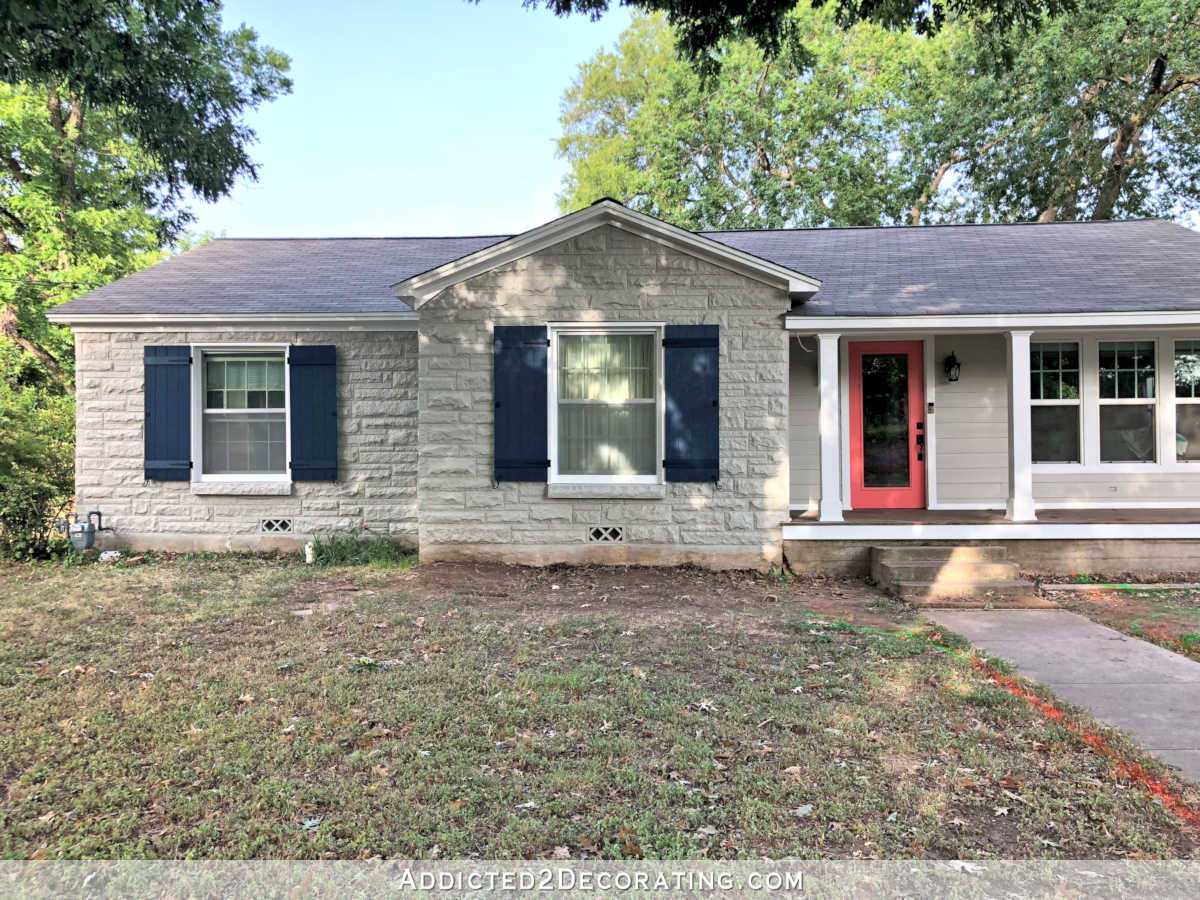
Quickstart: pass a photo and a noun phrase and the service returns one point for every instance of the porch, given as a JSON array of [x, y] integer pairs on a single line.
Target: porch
[[994, 524], [1050, 428], [1106, 542]]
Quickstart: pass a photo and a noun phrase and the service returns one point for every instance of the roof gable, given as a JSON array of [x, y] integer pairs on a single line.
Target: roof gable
[[420, 288]]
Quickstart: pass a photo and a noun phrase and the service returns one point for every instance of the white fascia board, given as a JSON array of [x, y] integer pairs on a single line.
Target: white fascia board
[[925, 323], [422, 287], [998, 531], [397, 321]]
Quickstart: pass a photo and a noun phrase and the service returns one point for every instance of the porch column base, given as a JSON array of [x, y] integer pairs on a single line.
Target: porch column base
[[830, 509], [1020, 510]]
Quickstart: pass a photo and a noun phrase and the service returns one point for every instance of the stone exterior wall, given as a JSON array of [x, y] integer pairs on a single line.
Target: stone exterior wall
[[376, 491], [606, 275]]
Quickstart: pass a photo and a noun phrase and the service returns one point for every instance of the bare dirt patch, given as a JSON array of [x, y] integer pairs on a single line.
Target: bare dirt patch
[[653, 596]]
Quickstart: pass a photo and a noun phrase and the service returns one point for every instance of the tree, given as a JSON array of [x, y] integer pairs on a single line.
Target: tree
[[181, 82], [112, 114], [702, 26], [765, 143], [1099, 119], [1097, 116], [74, 214]]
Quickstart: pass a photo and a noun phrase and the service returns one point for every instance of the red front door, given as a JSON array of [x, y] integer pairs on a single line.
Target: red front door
[[887, 425]]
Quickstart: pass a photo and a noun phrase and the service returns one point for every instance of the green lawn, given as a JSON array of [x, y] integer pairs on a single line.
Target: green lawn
[[183, 708]]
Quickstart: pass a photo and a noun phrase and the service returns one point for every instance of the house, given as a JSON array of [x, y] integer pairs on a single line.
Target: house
[[611, 388]]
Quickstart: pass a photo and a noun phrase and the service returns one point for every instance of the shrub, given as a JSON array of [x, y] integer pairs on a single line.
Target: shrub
[[350, 550], [37, 474]]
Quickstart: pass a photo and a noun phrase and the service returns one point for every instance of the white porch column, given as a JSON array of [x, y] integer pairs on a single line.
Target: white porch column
[[830, 428], [1020, 450]]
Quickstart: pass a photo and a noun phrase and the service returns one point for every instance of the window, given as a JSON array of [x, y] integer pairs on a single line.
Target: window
[[606, 405], [244, 418], [1187, 401], [1055, 402], [1127, 391]]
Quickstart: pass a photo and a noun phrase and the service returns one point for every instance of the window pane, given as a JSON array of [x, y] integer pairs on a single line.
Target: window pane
[[1054, 371], [235, 373], [214, 374], [256, 375], [598, 439], [243, 382], [607, 367], [1055, 434], [244, 444], [1187, 368], [1127, 433], [1127, 370], [1187, 431], [885, 420]]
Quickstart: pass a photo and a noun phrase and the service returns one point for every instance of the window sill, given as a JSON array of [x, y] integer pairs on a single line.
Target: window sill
[[606, 491], [242, 488]]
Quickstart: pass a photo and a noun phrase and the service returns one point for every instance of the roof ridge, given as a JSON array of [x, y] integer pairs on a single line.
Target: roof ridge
[[936, 225]]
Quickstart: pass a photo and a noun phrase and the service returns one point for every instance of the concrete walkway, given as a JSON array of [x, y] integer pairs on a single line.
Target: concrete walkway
[[1151, 694]]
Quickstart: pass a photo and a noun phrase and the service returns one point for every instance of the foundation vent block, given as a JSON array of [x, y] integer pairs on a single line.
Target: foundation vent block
[[606, 534], [275, 526]]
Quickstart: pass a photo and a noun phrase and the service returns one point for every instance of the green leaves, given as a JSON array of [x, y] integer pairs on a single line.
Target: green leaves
[[764, 144], [36, 468], [181, 82], [1090, 114]]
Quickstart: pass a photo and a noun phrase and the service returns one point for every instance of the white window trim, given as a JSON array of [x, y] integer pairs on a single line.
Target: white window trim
[[558, 329], [1090, 402], [198, 396]]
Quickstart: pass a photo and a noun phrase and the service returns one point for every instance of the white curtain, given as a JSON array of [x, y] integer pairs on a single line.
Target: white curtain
[[606, 404]]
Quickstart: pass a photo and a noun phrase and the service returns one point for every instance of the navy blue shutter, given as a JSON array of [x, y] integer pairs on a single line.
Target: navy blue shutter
[[519, 381], [168, 425], [313, 387], [691, 375]]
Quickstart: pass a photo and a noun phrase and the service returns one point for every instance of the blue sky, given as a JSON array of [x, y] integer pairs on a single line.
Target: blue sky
[[408, 118]]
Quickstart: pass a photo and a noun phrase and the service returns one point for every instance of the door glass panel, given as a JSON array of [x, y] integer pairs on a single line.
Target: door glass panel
[[885, 420]]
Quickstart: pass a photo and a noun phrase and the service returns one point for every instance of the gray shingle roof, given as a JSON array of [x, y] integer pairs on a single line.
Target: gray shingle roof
[[1066, 267], [984, 269], [278, 276]]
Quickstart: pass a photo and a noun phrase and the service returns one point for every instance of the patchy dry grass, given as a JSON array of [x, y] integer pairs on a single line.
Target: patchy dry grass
[[237, 707], [1169, 618]]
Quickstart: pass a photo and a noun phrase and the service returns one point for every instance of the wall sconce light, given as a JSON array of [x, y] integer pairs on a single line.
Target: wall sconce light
[[953, 367]]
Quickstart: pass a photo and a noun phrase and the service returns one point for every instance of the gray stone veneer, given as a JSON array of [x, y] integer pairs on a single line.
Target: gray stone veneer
[[377, 487], [606, 275]]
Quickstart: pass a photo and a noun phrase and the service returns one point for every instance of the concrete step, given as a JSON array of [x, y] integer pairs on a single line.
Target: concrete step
[[954, 571], [970, 594], [923, 552]]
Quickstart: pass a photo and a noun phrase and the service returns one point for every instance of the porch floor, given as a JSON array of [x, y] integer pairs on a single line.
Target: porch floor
[[996, 517]]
